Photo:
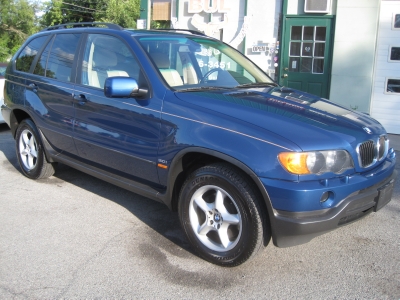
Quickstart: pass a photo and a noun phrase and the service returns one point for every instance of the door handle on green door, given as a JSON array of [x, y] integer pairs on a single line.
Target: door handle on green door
[[285, 75]]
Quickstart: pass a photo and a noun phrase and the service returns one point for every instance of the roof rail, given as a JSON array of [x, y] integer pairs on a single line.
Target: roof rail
[[176, 29], [83, 24]]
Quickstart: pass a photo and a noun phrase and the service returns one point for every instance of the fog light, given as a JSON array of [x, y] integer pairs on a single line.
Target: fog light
[[325, 196]]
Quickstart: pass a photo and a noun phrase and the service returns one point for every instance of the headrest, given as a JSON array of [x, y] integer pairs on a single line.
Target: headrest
[[104, 58], [161, 60]]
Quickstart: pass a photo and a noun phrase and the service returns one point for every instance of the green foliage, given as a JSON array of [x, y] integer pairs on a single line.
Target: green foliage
[[121, 12], [20, 18], [17, 21], [73, 11], [160, 24]]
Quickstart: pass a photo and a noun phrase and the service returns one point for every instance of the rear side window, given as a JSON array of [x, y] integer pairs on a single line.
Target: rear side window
[[40, 68], [57, 62], [28, 54]]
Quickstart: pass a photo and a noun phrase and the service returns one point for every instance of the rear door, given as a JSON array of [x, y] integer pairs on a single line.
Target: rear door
[[16, 79], [50, 88], [118, 135]]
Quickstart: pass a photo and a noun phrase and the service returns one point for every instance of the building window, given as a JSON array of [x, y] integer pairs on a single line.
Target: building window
[[392, 86], [394, 54], [307, 49], [396, 21]]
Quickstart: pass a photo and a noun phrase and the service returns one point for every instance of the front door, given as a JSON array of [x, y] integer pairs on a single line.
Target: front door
[[118, 135], [306, 55]]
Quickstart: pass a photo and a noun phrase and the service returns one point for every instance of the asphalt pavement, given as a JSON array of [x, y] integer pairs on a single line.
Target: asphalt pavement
[[74, 236]]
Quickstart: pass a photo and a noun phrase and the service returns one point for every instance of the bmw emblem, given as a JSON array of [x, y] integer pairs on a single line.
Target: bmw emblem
[[367, 130]]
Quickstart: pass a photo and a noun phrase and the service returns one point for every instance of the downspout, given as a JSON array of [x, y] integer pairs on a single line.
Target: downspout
[[282, 29], [371, 98], [244, 39], [177, 10]]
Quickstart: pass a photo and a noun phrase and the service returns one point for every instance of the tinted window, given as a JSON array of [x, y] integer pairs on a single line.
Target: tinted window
[[2, 70], [26, 57], [107, 56], [40, 68], [61, 57]]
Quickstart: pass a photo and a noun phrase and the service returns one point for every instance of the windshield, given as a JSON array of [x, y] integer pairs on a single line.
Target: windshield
[[192, 63]]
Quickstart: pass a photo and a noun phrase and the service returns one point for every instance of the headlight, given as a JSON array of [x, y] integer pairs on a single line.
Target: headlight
[[317, 162]]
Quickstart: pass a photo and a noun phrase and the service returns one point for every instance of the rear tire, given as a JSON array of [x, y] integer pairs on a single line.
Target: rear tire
[[221, 216], [30, 152]]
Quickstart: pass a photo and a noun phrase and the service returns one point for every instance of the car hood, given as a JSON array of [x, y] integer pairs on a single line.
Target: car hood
[[310, 122]]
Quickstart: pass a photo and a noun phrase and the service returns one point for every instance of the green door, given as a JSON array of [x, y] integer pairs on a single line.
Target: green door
[[306, 55]]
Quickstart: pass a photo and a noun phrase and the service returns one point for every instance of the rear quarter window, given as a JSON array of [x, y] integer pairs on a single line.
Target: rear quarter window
[[28, 54], [3, 68]]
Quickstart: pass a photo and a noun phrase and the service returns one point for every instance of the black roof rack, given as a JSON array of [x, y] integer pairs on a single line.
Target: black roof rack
[[176, 29], [83, 24]]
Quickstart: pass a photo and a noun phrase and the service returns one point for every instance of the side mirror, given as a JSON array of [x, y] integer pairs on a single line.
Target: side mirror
[[123, 87]]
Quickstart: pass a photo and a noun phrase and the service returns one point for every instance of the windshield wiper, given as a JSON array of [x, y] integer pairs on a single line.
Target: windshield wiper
[[257, 84], [204, 88]]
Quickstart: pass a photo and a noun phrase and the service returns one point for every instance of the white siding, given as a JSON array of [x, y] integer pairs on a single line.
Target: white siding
[[353, 53], [386, 107]]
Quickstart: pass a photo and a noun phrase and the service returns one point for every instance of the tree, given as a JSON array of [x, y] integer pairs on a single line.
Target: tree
[[17, 21], [73, 11], [121, 12]]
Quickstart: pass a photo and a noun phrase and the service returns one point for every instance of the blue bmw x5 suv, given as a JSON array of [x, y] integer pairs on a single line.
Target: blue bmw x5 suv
[[187, 120]]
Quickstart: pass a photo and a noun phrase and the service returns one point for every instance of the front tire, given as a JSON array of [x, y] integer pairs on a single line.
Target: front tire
[[221, 216], [30, 152]]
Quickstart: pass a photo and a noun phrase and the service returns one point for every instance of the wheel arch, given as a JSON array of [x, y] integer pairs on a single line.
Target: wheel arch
[[17, 116], [194, 157]]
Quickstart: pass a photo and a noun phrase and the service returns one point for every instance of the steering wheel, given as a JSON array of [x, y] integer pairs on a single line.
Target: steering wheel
[[203, 79]]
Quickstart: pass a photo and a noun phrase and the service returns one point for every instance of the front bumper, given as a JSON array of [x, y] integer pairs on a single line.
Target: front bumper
[[299, 226]]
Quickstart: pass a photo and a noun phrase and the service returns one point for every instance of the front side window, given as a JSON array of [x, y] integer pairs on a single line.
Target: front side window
[[107, 56], [28, 54], [197, 62]]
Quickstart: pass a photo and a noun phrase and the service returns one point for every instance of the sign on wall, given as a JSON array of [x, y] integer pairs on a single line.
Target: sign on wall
[[221, 11], [198, 6]]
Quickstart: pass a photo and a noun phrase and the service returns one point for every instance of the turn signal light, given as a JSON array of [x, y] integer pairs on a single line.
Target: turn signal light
[[295, 163]]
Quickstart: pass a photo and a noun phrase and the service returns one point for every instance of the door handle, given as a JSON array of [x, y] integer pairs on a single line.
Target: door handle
[[80, 98], [285, 75], [33, 87]]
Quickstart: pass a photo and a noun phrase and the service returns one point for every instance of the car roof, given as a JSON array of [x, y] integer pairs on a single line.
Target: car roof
[[105, 25]]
